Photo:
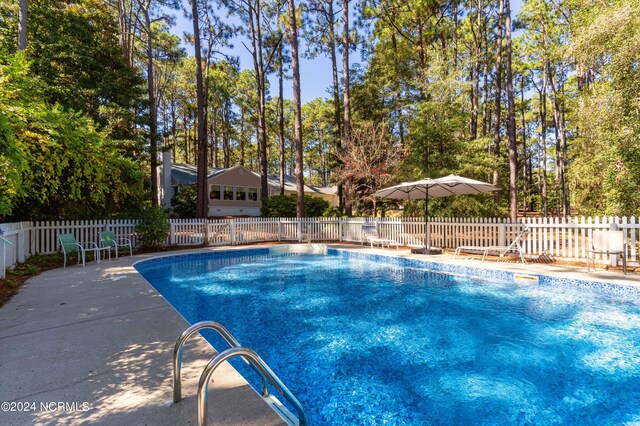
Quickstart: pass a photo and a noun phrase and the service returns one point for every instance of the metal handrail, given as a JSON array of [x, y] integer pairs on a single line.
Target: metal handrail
[[255, 360], [177, 355]]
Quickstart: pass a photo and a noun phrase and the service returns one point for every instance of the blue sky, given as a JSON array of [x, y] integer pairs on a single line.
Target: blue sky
[[315, 74]]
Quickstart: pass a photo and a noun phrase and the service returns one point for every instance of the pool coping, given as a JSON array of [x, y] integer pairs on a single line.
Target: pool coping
[[609, 282]]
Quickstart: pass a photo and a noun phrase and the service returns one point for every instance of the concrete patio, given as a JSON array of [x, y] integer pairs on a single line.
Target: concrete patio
[[101, 337]]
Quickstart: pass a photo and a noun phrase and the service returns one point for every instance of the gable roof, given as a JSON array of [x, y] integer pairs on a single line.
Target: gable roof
[[290, 184], [186, 174]]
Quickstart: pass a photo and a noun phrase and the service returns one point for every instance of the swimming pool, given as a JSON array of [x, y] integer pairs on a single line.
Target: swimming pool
[[372, 340]]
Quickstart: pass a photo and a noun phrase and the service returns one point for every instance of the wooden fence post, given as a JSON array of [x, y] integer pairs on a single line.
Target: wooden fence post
[[279, 229], [20, 242], [502, 234], [232, 231]]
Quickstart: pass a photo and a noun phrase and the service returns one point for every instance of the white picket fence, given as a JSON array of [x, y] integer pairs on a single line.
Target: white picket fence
[[563, 238]]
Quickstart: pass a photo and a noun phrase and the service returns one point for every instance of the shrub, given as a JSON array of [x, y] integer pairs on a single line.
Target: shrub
[[285, 206], [184, 202], [315, 207], [332, 211], [153, 227]]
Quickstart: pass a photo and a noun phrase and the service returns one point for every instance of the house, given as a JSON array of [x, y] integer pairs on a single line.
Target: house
[[234, 191]]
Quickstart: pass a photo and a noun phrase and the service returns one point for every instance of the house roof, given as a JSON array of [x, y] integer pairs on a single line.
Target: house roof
[[186, 174], [291, 185]]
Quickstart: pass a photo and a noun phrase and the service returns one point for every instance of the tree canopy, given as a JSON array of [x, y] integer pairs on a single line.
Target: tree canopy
[[542, 101]]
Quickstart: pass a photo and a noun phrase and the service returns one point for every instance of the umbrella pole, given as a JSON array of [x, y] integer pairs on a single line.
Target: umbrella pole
[[426, 219]]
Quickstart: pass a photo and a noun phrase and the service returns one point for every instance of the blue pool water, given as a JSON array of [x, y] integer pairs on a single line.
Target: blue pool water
[[364, 342]]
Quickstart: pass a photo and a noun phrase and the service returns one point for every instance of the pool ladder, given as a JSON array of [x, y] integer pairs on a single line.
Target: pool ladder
[[236, 350]]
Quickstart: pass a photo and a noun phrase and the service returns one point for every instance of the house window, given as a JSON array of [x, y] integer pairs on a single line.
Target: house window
[[214, 193], [241, 193], [252, 194], [228, 192]]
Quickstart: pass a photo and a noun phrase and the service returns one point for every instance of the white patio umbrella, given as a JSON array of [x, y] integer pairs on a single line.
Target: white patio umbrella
[[434, 188]]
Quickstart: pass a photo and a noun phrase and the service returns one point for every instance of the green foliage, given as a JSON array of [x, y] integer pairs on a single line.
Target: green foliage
[[74, 48], [11, 168], [184, 202], [482, 205], [55, 163], [314, 207], [332, 211], [25, 269], [285, 206], [607, 174], [11, 283], [153, 226]]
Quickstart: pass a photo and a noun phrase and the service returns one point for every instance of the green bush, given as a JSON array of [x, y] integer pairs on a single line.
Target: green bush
[[184, 202], [285, 206], [315, 207], [153, 227], [332, 211]]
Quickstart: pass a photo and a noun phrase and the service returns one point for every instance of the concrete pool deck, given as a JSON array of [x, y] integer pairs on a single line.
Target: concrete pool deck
[[559, 270], [101, 337]]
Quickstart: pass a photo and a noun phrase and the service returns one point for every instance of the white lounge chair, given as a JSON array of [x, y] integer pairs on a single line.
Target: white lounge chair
[[515, 246], [607, 242], [370, 235]]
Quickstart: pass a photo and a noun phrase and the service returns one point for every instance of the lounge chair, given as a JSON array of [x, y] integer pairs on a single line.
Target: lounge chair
[[515, 246], [109, 240], [370, 235], [70, 245], [607, 242]]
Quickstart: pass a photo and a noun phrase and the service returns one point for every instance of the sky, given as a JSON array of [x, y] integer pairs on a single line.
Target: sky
[[315, 74]]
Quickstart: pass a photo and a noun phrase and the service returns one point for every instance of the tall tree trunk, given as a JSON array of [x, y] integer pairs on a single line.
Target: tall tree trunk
[[455, 34], [242, 137], [566, 206], [255, 23], [281, 119], [213, 128], [153, 107], [498, 102], [346, 93], [474, 71], [525, 172], [202, 200], [22, 25], [128, 24], [174, 129], [297, 108], [511, 121], [543, 142], [473, 104], [561, 146], [337, 122], [226, 137], [185, 129], [486, 113]]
